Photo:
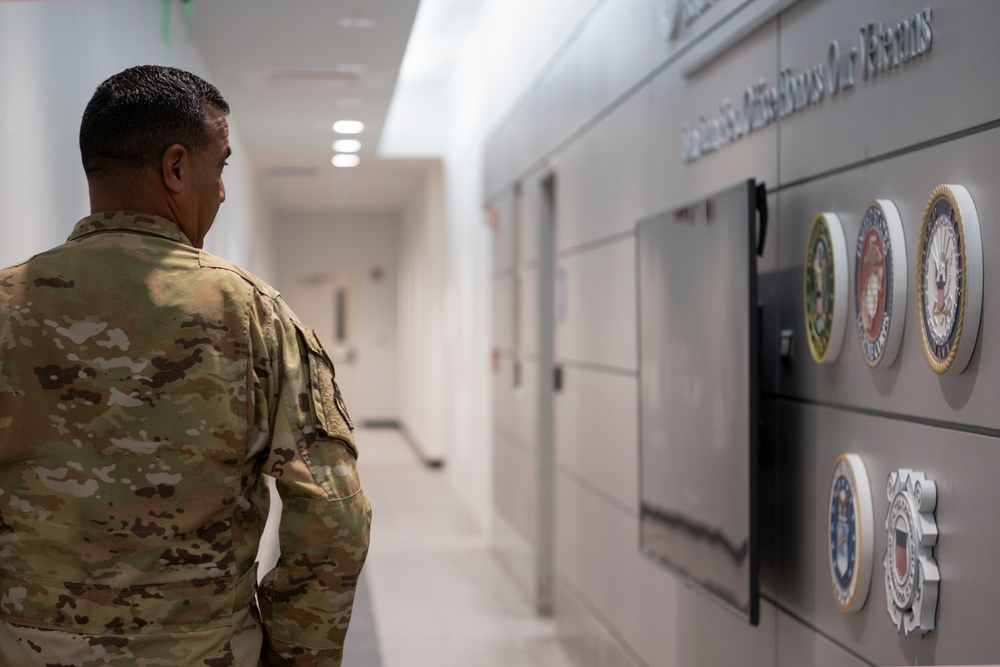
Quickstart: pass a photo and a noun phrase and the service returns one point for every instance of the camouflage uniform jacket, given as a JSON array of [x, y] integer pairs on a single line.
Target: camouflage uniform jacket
[[146, 388]]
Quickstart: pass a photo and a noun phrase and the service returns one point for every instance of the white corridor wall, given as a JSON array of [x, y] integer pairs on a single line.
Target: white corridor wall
[[52, 57]]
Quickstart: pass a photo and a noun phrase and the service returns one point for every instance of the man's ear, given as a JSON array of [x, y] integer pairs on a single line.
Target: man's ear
[[174, 168]]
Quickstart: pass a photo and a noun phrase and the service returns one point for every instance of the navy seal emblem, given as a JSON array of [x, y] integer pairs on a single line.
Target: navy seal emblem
[[911, 574], [851, 531], [950, 279], [880, 283], [825, 287]]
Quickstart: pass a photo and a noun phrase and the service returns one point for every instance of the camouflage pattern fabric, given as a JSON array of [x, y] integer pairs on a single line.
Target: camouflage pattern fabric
[[146, 387]]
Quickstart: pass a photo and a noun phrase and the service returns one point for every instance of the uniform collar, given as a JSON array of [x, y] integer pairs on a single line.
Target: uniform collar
[[129, 221]]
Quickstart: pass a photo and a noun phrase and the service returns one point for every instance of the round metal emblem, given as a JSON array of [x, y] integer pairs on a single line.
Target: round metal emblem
[[911, 574], [850, 526], [950, 279], [880, 283], [825, 286]]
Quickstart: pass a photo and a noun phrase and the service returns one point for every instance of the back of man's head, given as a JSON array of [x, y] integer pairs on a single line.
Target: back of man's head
[[137, 114]]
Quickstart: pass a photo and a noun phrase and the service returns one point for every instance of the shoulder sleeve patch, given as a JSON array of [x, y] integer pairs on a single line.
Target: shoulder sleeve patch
[[328, 406]]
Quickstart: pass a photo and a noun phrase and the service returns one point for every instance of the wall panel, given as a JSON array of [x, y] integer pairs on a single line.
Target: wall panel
[[515, 488], [680, 101], [620, 159], [600, 320], [656, 615], [595, 426], [799, 645], [908, 386], [962, 465], [503, 236], [604, 182], [947, 89]]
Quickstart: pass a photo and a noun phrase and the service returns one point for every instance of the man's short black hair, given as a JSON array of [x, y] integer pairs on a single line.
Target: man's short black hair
[[137, 114]]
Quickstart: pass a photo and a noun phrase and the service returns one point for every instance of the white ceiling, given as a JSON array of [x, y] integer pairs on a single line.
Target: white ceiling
[[289, 69]]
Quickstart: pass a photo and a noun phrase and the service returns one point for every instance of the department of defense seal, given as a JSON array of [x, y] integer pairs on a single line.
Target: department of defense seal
[[950, 279], [880, 283], [850, 525], [825, 287], [911, 574]]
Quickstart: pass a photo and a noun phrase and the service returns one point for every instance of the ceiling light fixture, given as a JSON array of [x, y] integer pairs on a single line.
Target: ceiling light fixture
[[347, 145], [348, 127], [345, 160]]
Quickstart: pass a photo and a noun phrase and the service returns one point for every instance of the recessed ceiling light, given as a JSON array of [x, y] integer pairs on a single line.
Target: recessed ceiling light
[[347, 145], [359, 23], [348, 127], [345, 160]]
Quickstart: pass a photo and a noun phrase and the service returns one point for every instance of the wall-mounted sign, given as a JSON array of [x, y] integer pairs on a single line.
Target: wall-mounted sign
[[911, 574], [825, 287], [674, 13], [851, 529], [882, 47], [950, 279], [880, 283]]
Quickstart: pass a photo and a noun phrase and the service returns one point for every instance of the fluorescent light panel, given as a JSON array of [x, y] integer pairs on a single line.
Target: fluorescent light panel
[[345, 160], [348, 127], [347, 145]]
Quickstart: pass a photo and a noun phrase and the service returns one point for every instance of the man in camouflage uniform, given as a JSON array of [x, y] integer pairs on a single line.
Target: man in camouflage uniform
[[146, 388]]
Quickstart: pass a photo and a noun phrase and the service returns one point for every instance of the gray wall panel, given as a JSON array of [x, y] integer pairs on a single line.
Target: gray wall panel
[[964, 468], [949, 88], [656, 614], [678, 101], [596, 417], [616, 51], [799, 645], [503, 303], [599, 326], [624, 162], [503, 238], [604, 179], [909, 386], [515, 485]]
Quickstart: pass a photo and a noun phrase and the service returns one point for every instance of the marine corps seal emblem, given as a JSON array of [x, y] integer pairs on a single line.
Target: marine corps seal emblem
[[851, 530], [950, 279], [911, 574], [825, 287], [880, 283]]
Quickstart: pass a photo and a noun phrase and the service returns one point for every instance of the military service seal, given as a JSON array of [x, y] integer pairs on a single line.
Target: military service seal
[[851, 529], [825, 283], [911, 575], [950, 279], [880, 283]]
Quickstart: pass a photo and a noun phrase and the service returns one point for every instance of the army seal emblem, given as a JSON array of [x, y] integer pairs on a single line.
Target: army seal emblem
[[950, 279], [825, 287], [880, 283], [911, 574], [851, 530]]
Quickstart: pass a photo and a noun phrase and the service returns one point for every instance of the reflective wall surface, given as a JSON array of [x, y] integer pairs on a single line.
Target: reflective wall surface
[[606, 119]]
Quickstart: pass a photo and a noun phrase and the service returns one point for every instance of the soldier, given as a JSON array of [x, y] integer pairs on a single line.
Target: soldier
[[146, 388]]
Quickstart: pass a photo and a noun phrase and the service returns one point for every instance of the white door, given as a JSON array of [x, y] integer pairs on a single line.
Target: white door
[[329, 303]]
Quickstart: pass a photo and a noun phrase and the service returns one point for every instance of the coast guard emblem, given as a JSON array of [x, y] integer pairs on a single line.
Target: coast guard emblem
[[851, 531], [825, 287], [911, 574], [950, 279], [880, 283]]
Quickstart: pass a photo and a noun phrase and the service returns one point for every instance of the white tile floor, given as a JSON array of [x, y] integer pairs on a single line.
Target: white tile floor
[[437, 594]]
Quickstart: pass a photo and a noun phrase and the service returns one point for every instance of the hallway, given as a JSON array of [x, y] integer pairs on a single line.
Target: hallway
[[432, 593]]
